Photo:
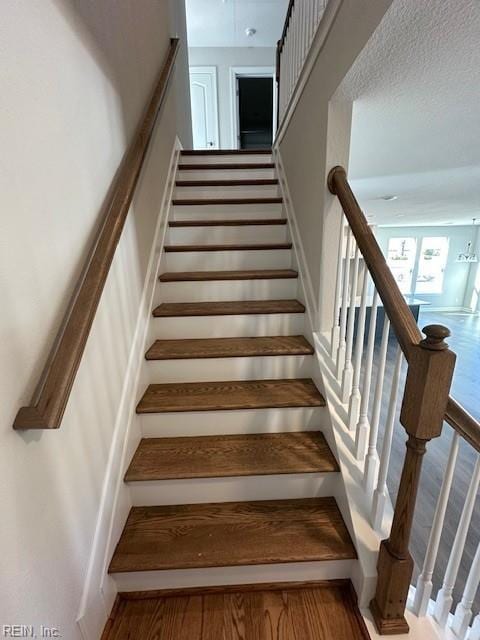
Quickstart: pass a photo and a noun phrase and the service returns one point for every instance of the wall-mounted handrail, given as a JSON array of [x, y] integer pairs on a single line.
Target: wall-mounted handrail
[[48, 403], [403, 322], [425, 406]]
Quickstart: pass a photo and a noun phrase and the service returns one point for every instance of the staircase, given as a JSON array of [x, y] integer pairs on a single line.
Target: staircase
[[233, 470]]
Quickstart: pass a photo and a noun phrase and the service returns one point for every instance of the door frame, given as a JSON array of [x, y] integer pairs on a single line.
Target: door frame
[[249, 72], [212, 71]]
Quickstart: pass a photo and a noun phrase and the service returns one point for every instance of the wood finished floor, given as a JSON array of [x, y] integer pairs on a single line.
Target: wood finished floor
[[465, 342], [324, 612]]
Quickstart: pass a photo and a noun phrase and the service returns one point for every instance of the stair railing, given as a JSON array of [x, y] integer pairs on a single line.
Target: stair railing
[[49, 400], [301, 24], [425, 406]]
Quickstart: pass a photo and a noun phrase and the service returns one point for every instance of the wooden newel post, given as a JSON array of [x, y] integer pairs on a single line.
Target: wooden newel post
[[429, 377]]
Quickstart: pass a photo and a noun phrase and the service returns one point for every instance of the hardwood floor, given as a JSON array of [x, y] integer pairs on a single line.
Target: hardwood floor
[[465, 342], [327, 611]]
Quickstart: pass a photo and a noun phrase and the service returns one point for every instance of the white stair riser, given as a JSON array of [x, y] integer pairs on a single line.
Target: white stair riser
[[226, 174], [228, 260], [222, 211], [275, 324], [218, 369], [204, 490], [237, 191], [221, 235], [185, 578], [211, 423], [234, 158], [281, 289]]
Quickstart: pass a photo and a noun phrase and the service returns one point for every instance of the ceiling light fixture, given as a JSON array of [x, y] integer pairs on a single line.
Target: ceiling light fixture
[[389, 198], [469, 255], [250, 31]]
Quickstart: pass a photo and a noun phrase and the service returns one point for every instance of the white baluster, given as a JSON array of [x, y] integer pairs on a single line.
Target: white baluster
[[296, 45], [363, 426], [372, 460], [463, 612], [343, 315], [445, 597], [311, 22], [288, 81], [380, 495], [424, 583], [474, 633], [303, 30], [338, 290], [348, 368], [355, 398]]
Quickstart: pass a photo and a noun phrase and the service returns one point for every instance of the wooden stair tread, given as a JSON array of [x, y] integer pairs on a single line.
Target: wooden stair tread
[[189, 348], [232, 534], [244, 222], [232, 455], [225, 152], [230, 395], [183, 248], [214, 201], [246, 274], [230, 308], [225, 166], [260, 182]]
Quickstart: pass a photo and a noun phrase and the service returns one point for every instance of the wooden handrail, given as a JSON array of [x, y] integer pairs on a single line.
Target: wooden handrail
[[53, 390], [403, 322], [463, 423], [281, 42], [426, 405]]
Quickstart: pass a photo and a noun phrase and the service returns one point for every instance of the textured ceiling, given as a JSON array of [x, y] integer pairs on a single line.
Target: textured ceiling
[[416, 122], [222, 23]]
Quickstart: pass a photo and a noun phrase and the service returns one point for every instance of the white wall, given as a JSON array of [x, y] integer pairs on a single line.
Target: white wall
[[303, 145], [75, 77], [456, 274], [224, 58]]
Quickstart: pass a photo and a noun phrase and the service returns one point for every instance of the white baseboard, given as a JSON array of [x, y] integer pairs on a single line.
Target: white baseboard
[[305, 280], [99, 590]]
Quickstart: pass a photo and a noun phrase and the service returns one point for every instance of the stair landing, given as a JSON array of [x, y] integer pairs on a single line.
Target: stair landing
[[315, 611]]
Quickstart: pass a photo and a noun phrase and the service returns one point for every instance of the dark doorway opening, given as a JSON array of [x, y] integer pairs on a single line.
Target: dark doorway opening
[[255, 108]]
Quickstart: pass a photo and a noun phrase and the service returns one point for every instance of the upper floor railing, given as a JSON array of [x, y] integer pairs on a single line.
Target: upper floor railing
[[426, 404], [301, 24], [49, 400]]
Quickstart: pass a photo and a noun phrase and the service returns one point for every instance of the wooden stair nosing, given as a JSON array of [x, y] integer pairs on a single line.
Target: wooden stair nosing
[[225, 456], [185, 248], [226, 166], [224, 201], [259, 182], [241, 307], [245, 274], [225, 152], [230, 395], [198, 536], [204, 348], [243, 222]]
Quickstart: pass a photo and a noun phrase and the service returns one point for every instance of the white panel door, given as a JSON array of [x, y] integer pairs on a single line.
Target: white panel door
[[203, 91]]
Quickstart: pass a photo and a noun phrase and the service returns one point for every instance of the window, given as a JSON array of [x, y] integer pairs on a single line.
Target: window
[[401, 260], [431, 265]]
